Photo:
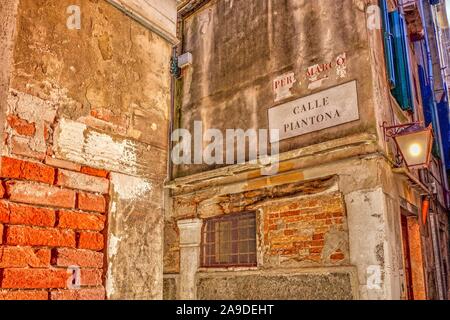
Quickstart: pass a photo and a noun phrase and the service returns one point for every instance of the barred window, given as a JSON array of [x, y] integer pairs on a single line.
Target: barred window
[[230, 241]]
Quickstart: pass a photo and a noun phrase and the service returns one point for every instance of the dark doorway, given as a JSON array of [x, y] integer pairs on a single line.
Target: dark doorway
[[407, 259]]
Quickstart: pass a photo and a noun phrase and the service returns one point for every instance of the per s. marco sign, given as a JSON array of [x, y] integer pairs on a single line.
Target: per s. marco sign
[[316, 112]]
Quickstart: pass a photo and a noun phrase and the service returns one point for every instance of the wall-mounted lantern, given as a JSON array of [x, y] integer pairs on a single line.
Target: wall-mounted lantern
[[414, 142]]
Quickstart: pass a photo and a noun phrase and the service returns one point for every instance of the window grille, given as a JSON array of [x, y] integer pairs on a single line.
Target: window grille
[[230, 241]]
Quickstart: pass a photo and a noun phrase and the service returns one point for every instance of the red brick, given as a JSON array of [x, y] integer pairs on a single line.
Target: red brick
[[14, 295], [286, 252], [24, 170], [80, 258], [32, 216], [120, 120], [322, 216], [290, 214], [95, 172], [316, 257], [20, 146], [2, 190], [92, 294], [338, 221], [317, 243], [315, 250], [85, 278], [82, 294], [28, 236], [46, 132], [337, 256], [289, 232], [91, 241], [58, 163], [30, 193], [20, 257], [91, 277], [319, 236], [1, 233], [81, 181], [299, 244], [81, 221], [91, 202], [34, 278], [21, 126], [4, 212], [70, 295]]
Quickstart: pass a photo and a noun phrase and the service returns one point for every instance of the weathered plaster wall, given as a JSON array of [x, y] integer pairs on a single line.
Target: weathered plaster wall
[[236, 60], [97, 97], [159, 16], [417, 260], [231, 85], [301, 224], [345, 212], [135, 248], [110, 74], [8, 11]]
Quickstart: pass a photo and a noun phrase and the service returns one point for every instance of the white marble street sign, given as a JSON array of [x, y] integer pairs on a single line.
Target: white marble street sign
[[325, 109]]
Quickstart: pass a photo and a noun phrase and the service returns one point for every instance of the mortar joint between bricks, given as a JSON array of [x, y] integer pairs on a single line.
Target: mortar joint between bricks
[[77, 195], [1, 277]]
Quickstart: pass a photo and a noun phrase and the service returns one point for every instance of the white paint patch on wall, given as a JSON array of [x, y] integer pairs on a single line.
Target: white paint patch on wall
[[103, 148], [320, 73], [76, 142], [109, 285], [113, 246], [129, 188], [369, 244]]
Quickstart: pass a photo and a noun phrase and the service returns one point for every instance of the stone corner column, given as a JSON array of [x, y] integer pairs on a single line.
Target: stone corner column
[[190, 240]]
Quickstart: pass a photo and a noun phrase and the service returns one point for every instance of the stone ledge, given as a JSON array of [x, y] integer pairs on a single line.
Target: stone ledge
[[162, 23], [297, 284], [334, 150]]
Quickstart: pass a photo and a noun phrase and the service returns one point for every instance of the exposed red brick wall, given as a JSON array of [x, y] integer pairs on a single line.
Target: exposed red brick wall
[[20, 126], [52, 219], [299, 229]]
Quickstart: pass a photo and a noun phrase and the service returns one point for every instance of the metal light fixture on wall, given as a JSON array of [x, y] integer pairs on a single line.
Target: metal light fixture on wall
[[414, 142]]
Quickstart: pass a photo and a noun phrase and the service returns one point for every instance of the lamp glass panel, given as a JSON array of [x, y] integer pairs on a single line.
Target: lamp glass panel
[[415, 147]]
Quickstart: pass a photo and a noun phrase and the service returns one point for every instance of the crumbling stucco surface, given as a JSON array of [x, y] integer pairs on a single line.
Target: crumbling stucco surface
[[77, 142], [8, 12], [367, 238], [236, 60], [112, 66], [231, 85], [375, 243], [135, 249], [94, 83]]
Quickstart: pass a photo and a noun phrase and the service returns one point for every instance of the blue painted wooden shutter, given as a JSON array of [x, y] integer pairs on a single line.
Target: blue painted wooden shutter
[[402, 90], [388, 44]]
